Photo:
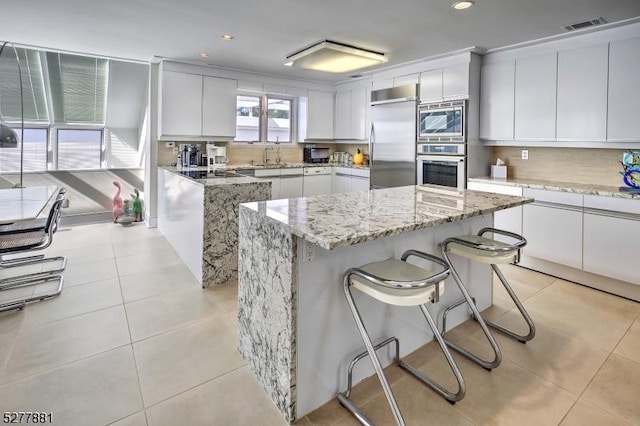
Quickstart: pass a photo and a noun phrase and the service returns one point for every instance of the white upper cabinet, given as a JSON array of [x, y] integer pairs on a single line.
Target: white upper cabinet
[[343, 114], [497, 88], [406, 79], [431, 85], [451, 82], [181, 104], [535, 97], [359, 108], [351, 113], [582, 93], [455, 81], [319, 115], [219, 107], [195, 106], [624, 91]]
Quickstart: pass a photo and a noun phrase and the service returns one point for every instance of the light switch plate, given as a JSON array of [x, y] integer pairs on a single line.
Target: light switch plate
[[525, 154]]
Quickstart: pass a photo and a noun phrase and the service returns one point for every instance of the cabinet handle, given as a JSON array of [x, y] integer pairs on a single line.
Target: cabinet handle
[[289, 176], [360, 177], [558, 206], [611, 213], [343, 174]]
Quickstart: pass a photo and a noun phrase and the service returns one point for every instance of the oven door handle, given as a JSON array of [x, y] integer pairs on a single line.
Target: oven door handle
[[440, 159]]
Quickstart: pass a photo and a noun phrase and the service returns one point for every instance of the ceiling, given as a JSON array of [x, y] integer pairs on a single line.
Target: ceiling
[[267, 31]]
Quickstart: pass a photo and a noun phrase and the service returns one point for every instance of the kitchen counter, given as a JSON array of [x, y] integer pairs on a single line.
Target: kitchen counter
[[232, 167], [341, 220], [578, 188], [295, 330], [199, 218]]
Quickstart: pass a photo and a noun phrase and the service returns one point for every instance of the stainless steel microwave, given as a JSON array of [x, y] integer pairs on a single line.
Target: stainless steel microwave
[[442, 122]]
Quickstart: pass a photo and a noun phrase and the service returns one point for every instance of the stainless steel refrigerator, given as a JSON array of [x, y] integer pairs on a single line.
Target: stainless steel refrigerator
[[392, 142]]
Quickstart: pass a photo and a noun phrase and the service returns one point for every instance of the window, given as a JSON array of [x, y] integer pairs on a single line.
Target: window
[[248, 118], [252, 125], [79, 149], [279, 120], [35, 153]]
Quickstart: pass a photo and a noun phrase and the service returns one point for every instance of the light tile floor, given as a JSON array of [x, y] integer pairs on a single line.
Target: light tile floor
[[133, 340]]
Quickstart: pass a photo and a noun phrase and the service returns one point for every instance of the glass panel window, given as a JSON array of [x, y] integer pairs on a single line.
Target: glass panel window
[[33, 101], [79, 149], [248, 118], [35, 153], [278, 120]]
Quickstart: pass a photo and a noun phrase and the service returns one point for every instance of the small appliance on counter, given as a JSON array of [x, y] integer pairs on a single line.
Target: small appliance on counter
[[189, 156], [216, 156], [316, 155]]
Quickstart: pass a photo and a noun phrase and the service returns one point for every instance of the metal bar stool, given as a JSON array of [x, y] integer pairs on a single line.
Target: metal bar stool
[[493, 252], [399, 283]]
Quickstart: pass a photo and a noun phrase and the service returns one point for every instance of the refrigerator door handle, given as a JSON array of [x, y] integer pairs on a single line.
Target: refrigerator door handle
[[371, 145]]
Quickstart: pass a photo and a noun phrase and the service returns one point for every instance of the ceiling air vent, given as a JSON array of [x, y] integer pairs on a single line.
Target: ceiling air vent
[[585, 24]]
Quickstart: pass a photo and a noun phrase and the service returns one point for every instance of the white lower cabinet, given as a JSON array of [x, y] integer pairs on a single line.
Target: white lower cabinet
[[317, 181], [611, 227], [291, 183], [553, 234], [274, 176], [508, 219], [340, 182], [607, 240], [346, 179], [553, 227]]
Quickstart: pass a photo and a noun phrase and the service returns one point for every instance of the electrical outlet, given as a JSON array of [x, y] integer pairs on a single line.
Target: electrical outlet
[[525, 154], [170, 144], [308, 251]]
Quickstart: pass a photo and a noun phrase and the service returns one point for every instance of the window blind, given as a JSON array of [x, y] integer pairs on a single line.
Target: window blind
[[35, 103], [78, 88]]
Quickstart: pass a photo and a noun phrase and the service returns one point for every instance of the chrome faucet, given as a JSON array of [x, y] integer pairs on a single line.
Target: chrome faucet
[[278, 159], [265, 154]]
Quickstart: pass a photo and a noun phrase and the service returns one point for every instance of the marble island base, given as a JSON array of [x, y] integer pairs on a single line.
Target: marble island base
[[295, 329]]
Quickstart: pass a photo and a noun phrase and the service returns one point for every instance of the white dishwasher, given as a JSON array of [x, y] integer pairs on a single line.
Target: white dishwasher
[[317, 181]]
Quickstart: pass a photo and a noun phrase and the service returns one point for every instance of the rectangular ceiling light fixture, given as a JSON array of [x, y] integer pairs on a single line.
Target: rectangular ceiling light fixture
[[330, 56]]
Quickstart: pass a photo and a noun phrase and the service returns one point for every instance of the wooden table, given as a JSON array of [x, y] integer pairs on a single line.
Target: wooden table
[[19, 204]]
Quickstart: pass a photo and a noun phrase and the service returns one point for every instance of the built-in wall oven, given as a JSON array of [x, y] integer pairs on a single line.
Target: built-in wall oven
[[441, 157], [445, 170]]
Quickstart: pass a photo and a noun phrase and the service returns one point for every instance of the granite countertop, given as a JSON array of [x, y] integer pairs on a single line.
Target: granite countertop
[[219, 181], [578, 188], [293, 165], [340, 220]]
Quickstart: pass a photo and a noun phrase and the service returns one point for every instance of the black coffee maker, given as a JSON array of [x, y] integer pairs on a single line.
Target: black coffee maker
[[190, 156]]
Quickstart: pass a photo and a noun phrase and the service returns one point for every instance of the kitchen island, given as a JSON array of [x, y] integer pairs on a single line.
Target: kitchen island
[[295, 330], [198, 215]]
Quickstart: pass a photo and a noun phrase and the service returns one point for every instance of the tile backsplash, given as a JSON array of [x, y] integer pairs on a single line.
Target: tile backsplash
[[240, 153], [578, 165]]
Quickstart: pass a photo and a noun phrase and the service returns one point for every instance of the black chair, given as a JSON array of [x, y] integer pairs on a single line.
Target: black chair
[[26, 237]]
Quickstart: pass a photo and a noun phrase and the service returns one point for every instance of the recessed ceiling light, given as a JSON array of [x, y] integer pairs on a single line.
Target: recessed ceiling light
[[227, 37], [461, 5], [203, 55]]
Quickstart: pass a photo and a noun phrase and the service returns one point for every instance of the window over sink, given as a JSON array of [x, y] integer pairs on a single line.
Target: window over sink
[[264, 118]]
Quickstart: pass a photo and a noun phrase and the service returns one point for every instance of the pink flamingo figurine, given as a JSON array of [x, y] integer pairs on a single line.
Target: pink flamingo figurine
[[116, 201]]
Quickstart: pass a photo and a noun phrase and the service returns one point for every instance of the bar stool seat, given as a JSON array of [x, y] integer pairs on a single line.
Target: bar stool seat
[[486, 250], [397, 282], [492, 252], [397, 270]]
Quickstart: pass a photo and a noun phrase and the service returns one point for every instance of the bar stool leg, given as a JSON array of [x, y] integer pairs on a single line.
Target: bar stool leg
[[522, 338], [374, 359], [497, 359], [451, 397]]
